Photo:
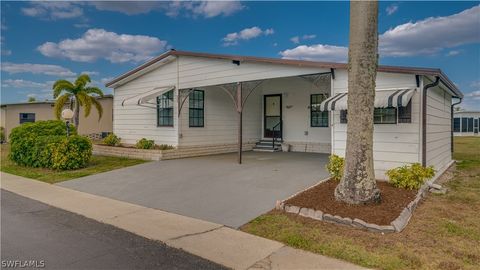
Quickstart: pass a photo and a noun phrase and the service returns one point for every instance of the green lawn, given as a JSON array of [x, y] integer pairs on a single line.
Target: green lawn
[[444, 232], [96, 165]]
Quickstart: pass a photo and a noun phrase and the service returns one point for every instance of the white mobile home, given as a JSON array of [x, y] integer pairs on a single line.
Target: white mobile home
[[466, 123], [214, 101]]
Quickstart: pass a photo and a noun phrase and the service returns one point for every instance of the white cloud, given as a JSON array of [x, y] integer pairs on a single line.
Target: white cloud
[[53, 10], [474, 95], [425, 37], [453, 53], [206, 9], [306, 37], [296, 39], [90, 73], [52, 70], [19, 83], [391, 9], [81, 25], [101, 44], [475, 84], [245, 34], [318, 52], [431, 35], [106, 79]]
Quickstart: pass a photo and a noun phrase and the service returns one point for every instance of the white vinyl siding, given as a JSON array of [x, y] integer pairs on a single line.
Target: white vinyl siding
[[295, 109], [198, 72], [221, 120], [131, 123], [393, 144], [438, 128]]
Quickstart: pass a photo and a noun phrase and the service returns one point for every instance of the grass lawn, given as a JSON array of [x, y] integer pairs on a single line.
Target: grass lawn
[[96, 165], [444, 232]]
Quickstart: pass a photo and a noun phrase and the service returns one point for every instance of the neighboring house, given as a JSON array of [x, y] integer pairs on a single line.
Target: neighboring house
[[466, 123], [189, 99], [14, 114]]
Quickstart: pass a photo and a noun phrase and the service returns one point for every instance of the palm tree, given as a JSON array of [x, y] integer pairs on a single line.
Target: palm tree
[[358, 182], [76, 95]]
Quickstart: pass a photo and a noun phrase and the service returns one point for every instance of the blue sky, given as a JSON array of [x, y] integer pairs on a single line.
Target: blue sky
[[45, 41]]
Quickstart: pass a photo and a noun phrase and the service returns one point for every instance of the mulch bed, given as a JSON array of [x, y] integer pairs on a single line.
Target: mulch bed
[[322, 198]]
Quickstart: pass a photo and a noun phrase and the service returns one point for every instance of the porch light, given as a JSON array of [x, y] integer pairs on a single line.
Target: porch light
[[67, 114]]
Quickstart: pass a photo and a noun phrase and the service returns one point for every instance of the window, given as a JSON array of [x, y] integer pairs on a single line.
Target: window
[[165, 110], [380, 116], [405, 113], [464, 124], [343, 116], [385, 115], [27, 118], [470, 124], [196, 105], [456, 124], [318, 118]]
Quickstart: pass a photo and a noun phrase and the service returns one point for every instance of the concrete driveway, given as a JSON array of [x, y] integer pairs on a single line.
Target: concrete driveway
[[213, 188]]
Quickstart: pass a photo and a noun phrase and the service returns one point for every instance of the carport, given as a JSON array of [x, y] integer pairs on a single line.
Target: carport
[[211, 188]]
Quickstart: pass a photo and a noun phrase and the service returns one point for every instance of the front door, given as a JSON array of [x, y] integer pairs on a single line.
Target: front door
[[272, 111]]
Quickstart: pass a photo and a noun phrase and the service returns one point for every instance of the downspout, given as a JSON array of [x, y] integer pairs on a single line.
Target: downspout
[[424, 119], [451, 118]]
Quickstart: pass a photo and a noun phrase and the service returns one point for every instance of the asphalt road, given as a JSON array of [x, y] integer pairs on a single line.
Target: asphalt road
[[35, 233]]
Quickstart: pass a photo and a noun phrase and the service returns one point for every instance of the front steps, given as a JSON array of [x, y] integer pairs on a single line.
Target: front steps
[[265, 145]]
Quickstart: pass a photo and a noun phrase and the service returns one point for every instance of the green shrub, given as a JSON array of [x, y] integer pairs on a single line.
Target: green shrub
[[145, 144], [165, 147], [41, 128], [410, 176], [112, 140], [45, 144], [71, 153], [335, 167], [2, 134]]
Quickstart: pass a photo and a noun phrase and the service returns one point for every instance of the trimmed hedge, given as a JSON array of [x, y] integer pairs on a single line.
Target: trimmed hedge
[[44, 144]]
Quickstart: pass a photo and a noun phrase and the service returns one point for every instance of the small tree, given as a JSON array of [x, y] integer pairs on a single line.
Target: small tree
[[32, 99], [76, 95]]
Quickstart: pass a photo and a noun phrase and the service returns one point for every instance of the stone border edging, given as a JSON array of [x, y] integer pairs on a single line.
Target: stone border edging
[[395, 226]]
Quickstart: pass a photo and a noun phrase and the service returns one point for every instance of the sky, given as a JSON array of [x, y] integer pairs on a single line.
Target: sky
[[42, 42]]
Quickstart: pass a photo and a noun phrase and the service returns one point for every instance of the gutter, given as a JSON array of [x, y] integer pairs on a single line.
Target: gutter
[[451, 118], [424, 119]]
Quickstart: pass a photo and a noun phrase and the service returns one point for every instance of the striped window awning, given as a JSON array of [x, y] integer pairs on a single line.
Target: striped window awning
[[383, 98], [144, 99]]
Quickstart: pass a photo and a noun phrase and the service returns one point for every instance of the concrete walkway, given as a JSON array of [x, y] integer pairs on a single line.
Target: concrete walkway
[[215, 242], [214, 188]]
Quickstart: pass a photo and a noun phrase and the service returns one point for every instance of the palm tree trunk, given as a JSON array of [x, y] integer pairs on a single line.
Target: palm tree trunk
[[358, 182], [76, 117]]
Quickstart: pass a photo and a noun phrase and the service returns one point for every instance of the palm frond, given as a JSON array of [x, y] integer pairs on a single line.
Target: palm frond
[[94, 90], [82, 80], [60, 104], [62, 85], [84, 101], [98, 106]]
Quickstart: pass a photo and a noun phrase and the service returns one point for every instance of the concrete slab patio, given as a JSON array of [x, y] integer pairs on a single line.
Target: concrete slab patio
[[212, 188]]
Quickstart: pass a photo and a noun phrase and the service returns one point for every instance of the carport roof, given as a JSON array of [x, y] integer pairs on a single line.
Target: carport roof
[[393, 69]]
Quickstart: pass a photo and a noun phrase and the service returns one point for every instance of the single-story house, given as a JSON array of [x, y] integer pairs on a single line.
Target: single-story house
[[14, 114], [466, 123], [225, 102]]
